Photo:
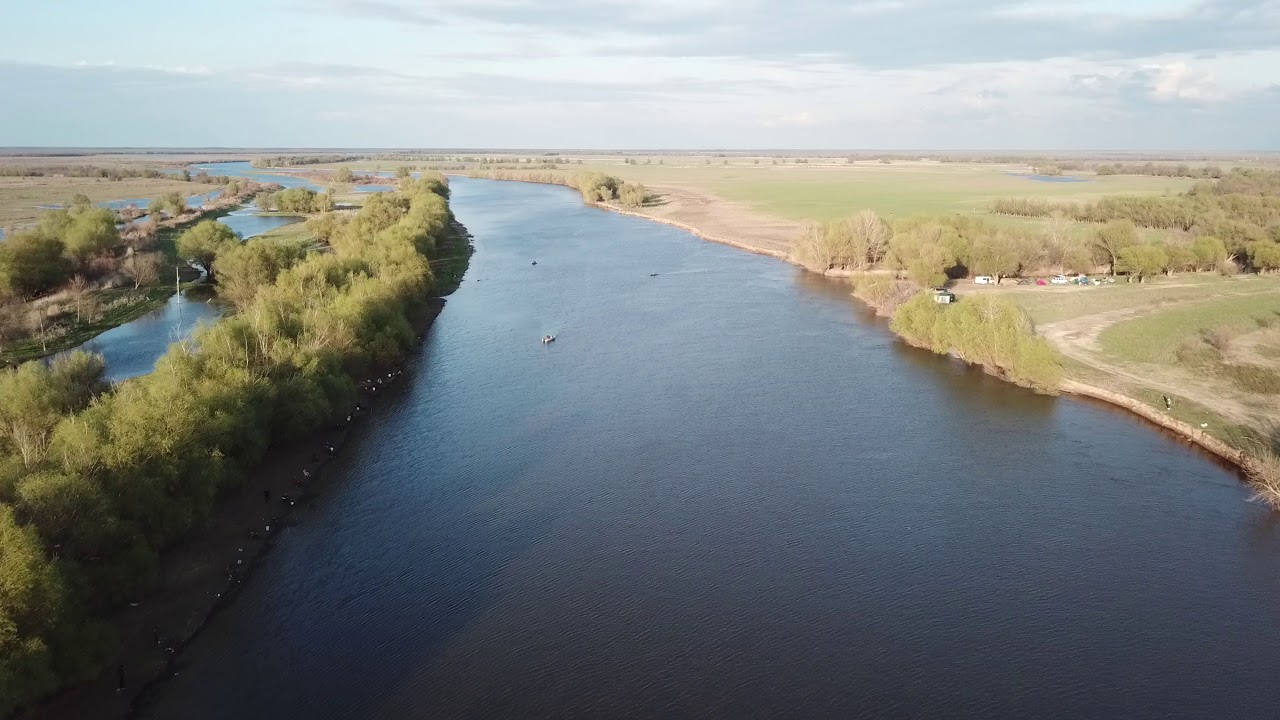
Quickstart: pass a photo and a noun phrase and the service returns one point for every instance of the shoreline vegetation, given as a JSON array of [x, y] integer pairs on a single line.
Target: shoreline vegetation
[[100, 484], [994, 332], [79, 273]]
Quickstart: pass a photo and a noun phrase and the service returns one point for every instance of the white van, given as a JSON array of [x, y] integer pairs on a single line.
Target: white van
[[984, 280]]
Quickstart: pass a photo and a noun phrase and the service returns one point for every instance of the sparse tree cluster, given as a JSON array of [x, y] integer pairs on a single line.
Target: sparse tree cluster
[[294, 200]]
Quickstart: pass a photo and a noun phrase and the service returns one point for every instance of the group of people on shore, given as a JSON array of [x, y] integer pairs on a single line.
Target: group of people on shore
[[236, 568]]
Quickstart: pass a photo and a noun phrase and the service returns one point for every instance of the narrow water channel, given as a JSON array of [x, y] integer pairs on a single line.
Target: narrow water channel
[[726, 492]]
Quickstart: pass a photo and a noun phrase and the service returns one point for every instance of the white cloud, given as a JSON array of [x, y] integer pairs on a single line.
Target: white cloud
[[1178, 81]]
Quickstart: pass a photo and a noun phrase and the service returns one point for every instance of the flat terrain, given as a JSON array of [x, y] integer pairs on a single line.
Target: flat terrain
[[1211, 344], [831, 191], [21, 197], [1202, 339]]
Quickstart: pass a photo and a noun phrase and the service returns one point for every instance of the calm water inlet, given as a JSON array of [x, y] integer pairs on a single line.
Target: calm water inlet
[[133, 348], [725, 492]]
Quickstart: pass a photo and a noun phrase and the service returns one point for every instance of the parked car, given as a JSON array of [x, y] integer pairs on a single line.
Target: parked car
[[1059, 280], [984, 280]]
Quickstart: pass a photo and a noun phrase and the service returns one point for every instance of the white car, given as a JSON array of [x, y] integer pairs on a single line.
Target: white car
[[984, 280], [1059, 280]]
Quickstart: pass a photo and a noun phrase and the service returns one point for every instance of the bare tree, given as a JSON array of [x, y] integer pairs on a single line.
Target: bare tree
[[1057, 241], [79, 288], [870, 237], [144, 268]]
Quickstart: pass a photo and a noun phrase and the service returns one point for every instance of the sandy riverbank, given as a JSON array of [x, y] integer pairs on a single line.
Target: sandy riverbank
[[717, 220]]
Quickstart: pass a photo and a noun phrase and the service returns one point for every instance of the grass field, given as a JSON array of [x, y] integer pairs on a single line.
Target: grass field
[[1210, 343], [294, 233], [20, 197], [1055, 303], [1158, 337], [826, 189], [832, 192]]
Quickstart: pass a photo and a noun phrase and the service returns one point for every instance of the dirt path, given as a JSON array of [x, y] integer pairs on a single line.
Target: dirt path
[[1077, 338]]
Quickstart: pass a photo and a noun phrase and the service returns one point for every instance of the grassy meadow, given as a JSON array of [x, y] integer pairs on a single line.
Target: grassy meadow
[[20, 197], [830, 192]]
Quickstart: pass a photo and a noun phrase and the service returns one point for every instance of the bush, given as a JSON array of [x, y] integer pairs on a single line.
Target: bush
[[987, 331]]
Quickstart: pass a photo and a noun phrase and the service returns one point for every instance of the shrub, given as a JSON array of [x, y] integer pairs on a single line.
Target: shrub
[[987, 331]]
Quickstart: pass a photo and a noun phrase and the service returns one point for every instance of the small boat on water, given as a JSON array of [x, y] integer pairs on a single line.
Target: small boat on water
[[548, 339]]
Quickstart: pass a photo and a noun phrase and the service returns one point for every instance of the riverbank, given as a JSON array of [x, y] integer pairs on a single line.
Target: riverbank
[[683, 208], [203, 575], [119, 305]]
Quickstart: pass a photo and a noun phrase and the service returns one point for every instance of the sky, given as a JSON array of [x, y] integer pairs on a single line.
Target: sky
[[1143, 75]]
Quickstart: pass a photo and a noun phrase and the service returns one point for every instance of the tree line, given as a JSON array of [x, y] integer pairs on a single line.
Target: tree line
[[294, 160], [96, 482], [595, 187], [1242, 210], [86, 171], [931, 250]]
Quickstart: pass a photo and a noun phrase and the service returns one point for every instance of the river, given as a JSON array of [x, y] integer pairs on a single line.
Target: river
[[133, 348], [727, 492]]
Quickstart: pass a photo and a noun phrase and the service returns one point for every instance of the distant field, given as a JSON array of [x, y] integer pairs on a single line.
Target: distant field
[[826, 189], [20, 197], [831, 191]]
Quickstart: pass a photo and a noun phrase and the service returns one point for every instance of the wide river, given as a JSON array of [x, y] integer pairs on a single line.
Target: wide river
[[727, 492]]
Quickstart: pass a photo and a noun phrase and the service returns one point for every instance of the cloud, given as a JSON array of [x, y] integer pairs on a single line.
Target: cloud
[[1177, 81], [877, 33]]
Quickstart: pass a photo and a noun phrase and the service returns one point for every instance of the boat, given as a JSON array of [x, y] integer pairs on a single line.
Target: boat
[[548, 339]]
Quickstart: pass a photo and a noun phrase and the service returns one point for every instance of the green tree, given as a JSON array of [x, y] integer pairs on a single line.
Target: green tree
[[1141, 260], [1264, 256], [91, 232], [1209, 251], [403, 173], [925, 252], [171, 203], [999, 255], [1113, 237], [31, 263], [343, 175], [245, 269], [1181, 258], [34, 397], [30, 599], [201, 244]]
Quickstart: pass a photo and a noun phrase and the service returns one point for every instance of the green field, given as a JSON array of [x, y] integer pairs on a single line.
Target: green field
[[1157, 337], [827, 189], [294, 233], [901, 190], [1054, 304]]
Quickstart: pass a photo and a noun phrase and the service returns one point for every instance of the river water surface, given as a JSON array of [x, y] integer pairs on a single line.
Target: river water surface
[[725, 492]]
